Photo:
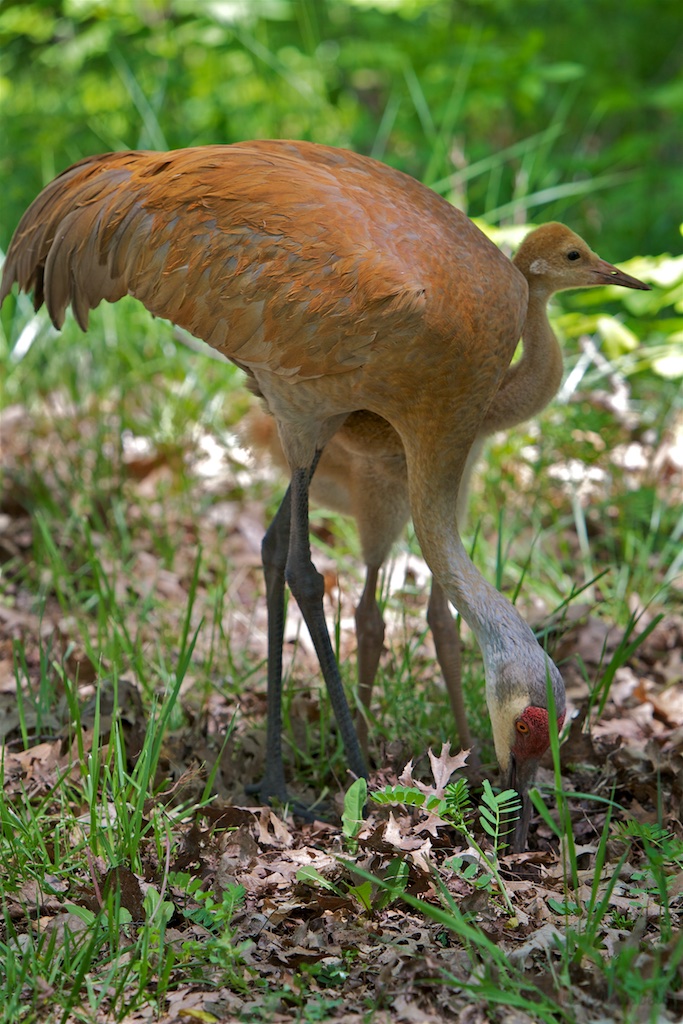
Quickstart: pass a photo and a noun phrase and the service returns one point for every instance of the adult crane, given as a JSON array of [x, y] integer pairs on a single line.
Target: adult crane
[[339, 285], [363, 473]]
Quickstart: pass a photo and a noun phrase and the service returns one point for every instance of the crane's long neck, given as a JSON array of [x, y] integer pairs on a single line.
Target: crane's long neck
[[533, 381], [525, 390], [498, 627], [434, 483]]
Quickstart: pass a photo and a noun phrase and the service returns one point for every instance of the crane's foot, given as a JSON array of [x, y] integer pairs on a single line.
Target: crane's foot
[[276, 795]]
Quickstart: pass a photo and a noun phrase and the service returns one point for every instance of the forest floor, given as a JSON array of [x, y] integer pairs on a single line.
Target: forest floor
[[252, 915]]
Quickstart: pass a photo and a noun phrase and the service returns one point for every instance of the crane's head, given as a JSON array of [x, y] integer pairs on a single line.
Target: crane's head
[[553, 258], [517, 697]]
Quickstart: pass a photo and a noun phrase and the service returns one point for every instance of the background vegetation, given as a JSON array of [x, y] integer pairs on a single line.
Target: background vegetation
[[568, 111], [130, 520]]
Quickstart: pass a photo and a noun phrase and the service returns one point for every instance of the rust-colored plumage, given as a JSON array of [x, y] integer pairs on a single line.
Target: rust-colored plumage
[[339, 285], [363, 473]]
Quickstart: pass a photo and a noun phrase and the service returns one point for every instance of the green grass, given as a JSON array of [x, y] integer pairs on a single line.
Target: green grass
[[578, 953], [90, 531], [133, 571], [118, 587]]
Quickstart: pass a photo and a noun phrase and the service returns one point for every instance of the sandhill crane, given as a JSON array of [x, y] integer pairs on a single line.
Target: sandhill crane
[[363, 473], [339, 285]]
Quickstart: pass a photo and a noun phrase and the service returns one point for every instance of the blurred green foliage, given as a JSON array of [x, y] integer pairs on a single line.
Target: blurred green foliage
[[517, 109]]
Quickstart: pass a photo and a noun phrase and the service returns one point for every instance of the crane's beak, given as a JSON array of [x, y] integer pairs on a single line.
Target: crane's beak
[[607, 274], [520, 777]]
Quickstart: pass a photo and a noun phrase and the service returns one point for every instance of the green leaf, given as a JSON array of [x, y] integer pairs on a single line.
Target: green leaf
[[363, 893], [616, 337], [395, 881], [311, 876], [87, 916], [407, 795], [564, 907], [354, 805], [537, 801]]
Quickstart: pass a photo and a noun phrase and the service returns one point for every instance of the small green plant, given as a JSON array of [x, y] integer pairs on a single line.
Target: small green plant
[[369, 897], [354, 806], [453, 808], [214, 915], [657, 840]]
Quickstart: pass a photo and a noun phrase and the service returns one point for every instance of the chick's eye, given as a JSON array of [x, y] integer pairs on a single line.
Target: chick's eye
[[573, 255], [522, 727]]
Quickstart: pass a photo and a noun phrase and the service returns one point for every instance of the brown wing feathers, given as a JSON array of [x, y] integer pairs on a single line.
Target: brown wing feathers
[[232, 243]]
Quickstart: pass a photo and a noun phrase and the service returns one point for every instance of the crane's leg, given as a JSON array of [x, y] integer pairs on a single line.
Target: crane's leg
[[447, 644], [308, 588], [274, 551], [370, 637]]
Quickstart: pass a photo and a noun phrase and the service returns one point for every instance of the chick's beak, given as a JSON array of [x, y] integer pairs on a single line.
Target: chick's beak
[[607, 274], [520, 776]]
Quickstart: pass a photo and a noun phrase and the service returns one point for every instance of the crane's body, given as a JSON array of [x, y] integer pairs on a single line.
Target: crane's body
[[339, 285], [362, 472], [299, 262]]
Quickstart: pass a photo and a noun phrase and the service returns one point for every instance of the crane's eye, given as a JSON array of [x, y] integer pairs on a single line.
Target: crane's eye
[[573, 255], [522, 727]]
